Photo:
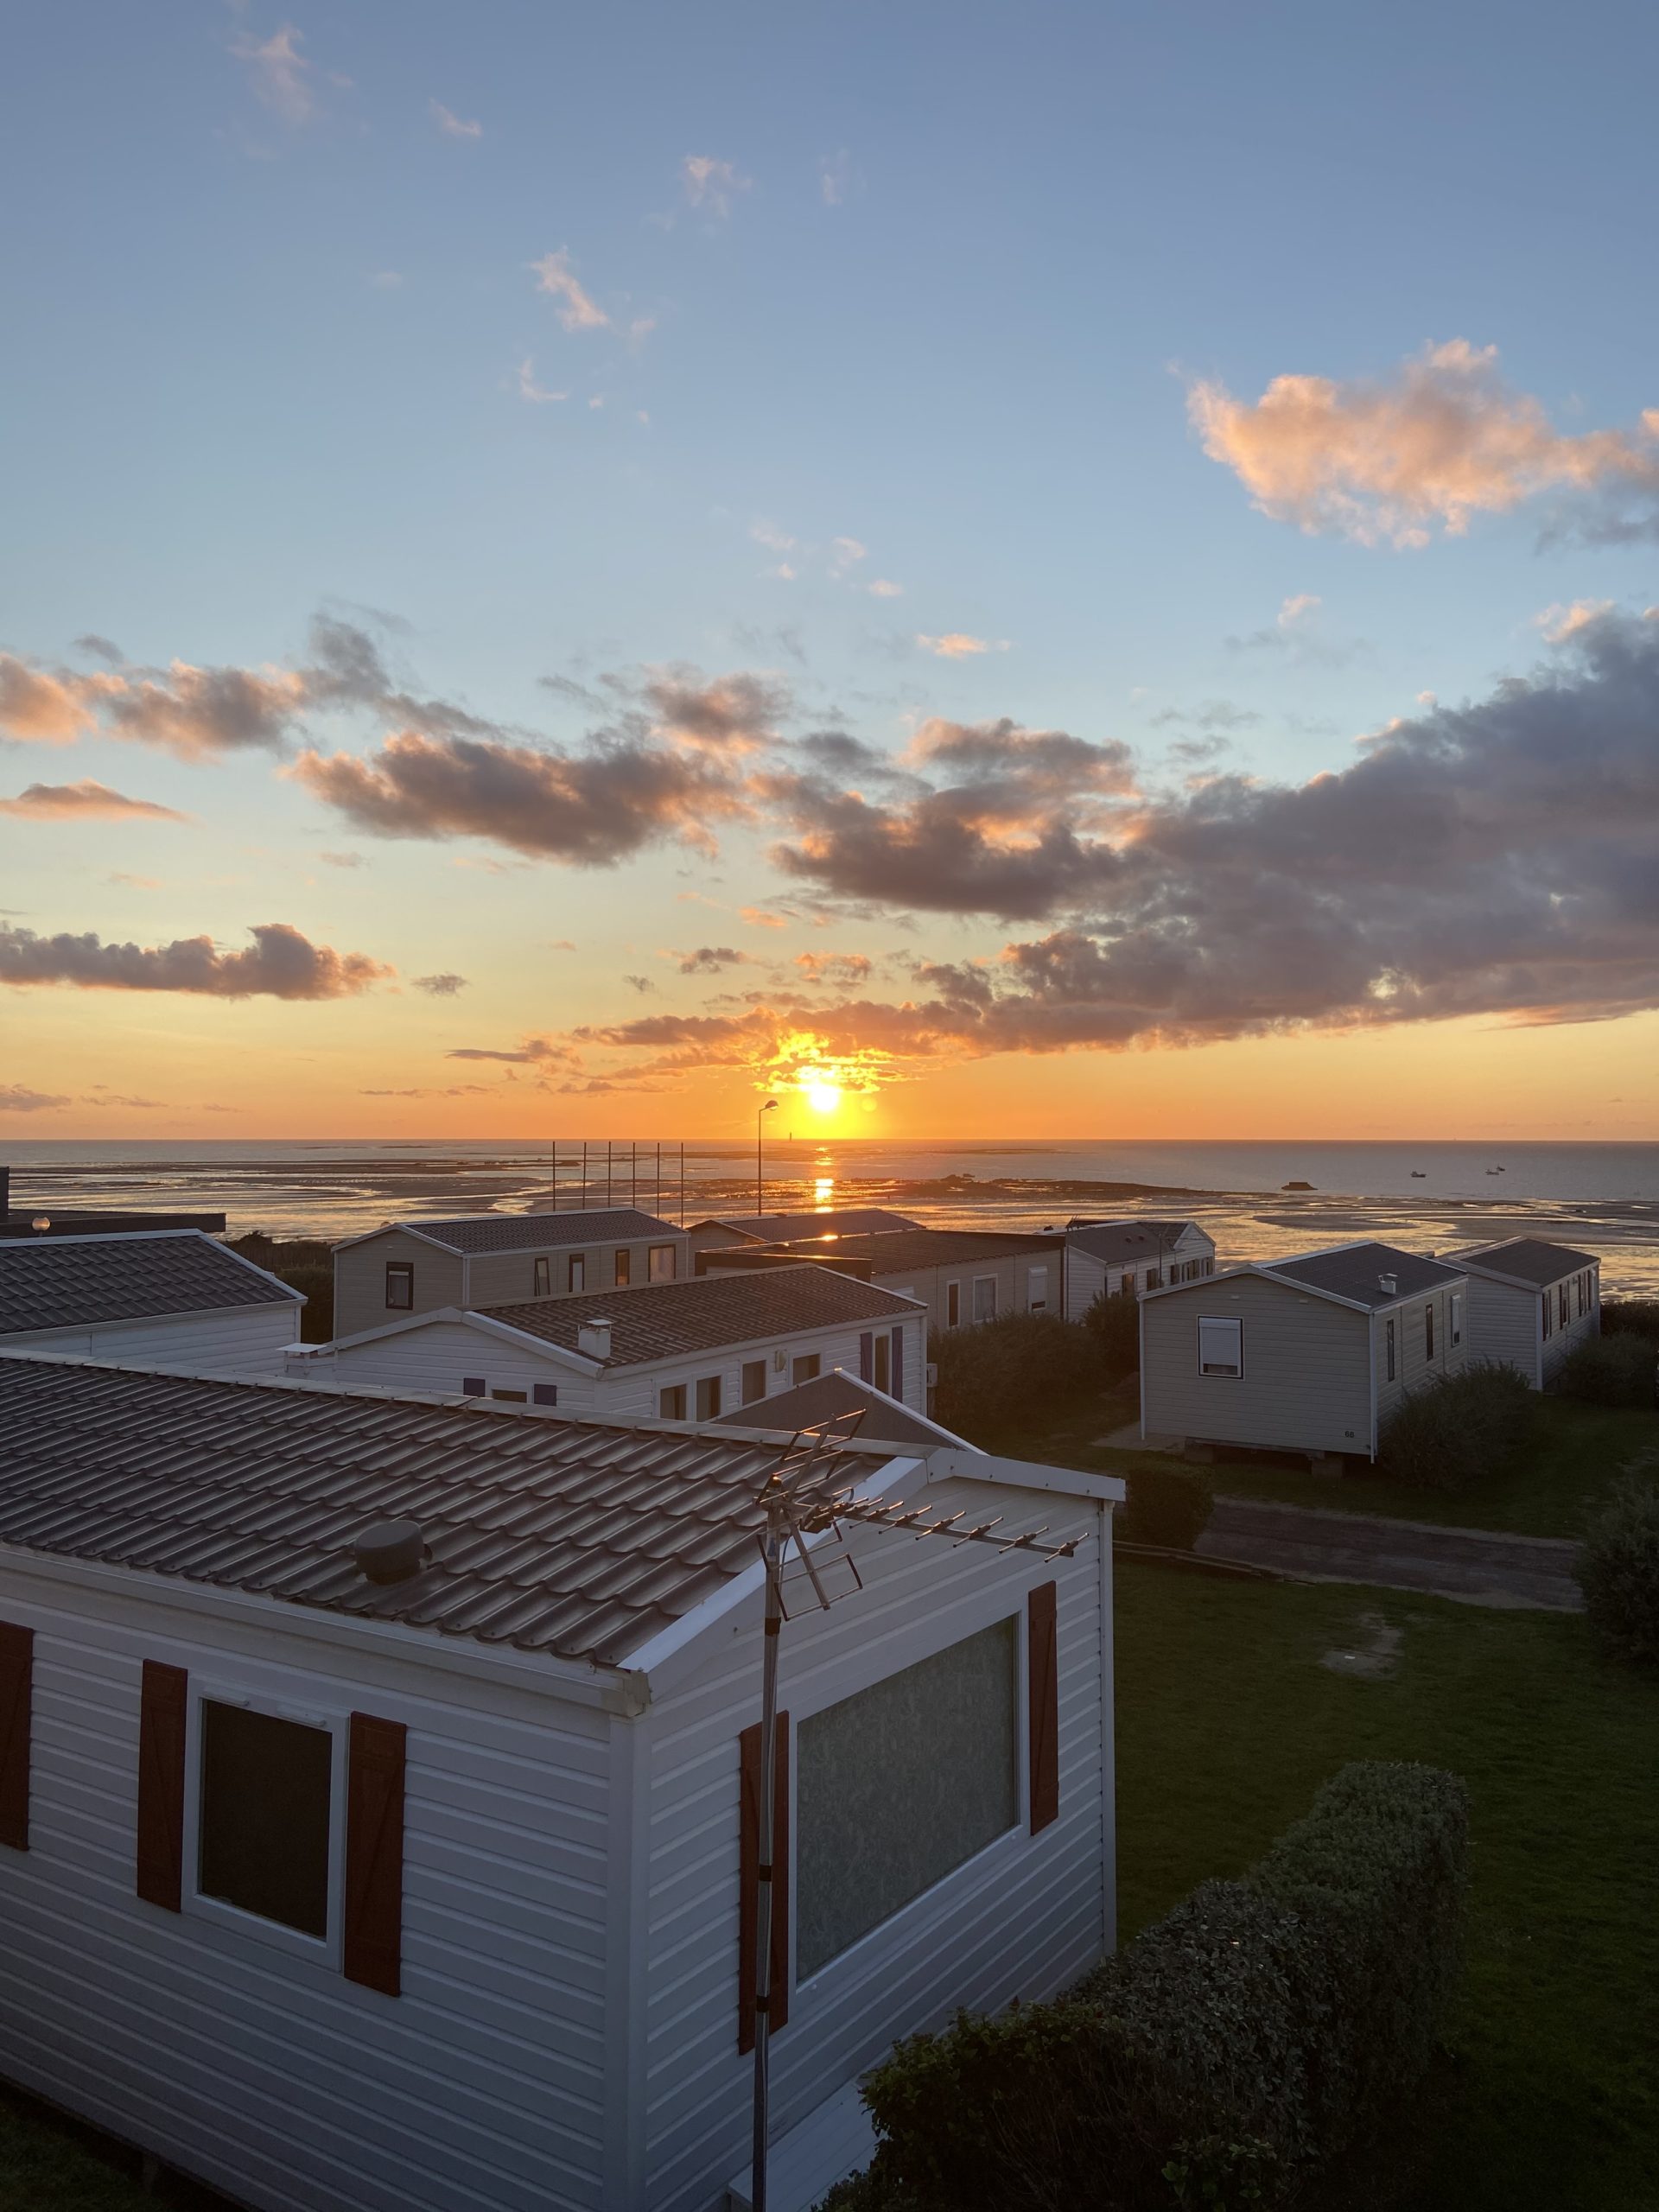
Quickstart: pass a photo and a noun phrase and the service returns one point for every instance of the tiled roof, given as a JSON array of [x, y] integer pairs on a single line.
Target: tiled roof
[[69, 1283], [779, 1227], [574, 1537], [1529, 1259], [825, 1396], [539, 1232], [902, 1250], [1355, 1271], [1120, 1241], [661, 1320]]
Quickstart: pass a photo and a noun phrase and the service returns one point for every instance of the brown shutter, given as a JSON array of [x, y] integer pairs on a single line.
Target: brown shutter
[[17, 1704], [161, 1784], [374, 1941], [1043, 1705], [749, 1880]]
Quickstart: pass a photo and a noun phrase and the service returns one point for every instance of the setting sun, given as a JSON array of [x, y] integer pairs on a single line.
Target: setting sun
[[821, 1098]]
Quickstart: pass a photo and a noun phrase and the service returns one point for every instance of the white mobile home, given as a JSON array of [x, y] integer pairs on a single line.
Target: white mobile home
[[1124, 1259], [367, 1869], [493, 1259], [172, 1295], [1531, 1303], [963, 1276], [1307, 1354], [716, 1230]]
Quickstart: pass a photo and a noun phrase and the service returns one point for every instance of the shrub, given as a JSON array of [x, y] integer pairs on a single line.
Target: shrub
[[1230, 2053], [1114, 1325], [1631, 1316], [1618, 1571], [306, 1264], [1459, 1429], [1616, 1371], [1006, 1371], [1165, 1508]]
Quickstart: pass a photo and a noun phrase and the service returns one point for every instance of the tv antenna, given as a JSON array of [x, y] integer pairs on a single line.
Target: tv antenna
[[797, 1506]]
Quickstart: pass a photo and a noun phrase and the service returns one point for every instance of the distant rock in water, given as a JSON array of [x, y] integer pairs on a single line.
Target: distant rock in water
[[1296, 1186]]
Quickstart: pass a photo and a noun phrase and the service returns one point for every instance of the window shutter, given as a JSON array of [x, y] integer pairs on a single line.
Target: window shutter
[[161, 1784], [374, 1934], [1043, 1705], [866, 1356], [16, 1706], [749, 1880], [898, 1363]]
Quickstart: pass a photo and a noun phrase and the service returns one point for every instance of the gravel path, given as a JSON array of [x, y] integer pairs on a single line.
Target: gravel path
[[1479, 1565]]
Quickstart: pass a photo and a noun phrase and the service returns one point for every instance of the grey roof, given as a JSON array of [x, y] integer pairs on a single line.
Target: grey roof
[[581, 1538], [898, 1251], [661, 1320], [838, 1392], [842, 1221], [1529, 1259], [1355, 1271], [1121, 1243], [70, 1283], [541, 1232]]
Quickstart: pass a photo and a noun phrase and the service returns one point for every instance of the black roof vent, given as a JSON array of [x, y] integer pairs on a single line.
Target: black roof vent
[[391, 1551]]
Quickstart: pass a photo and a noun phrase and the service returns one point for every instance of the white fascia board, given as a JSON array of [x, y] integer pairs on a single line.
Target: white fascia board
[[1205, 1282], [972, 1466]]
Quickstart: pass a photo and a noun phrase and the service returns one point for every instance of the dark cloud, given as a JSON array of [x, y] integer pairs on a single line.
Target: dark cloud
[[18, 1098], [85, 801], [640, 983], [99, 648], [200, 712], [742, 711], [440, 986], [533, 1052], [279, 964], [710, 959], [1213, 715]]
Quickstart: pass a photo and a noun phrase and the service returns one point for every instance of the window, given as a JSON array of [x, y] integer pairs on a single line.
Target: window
[[1392, 1356], [806, 1368], [664, 1262], [1583, 1282], [1155, 1280], [474, 1386], [511, 1397], [1544, 1309], [265, 1790], [624, 1267], [708, 1398], [1036, 1290], [544, 1394], [1562, 1315], [882, 1377], [575, 1272], [952, 1305], [670, 1403], [1126, 1285], [984, 1298], [899, 1785], [1221, 1346], [1428, 1333], [543, 1278], [400, 1286], [1454, 1318], [754, 1380]]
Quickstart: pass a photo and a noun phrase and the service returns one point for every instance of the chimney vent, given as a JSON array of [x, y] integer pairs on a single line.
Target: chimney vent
[[593, 1338], [391, 1551], [1391, 1283]]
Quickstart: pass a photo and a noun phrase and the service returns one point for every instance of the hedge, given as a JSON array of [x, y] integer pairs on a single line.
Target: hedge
[[1633, 1317], [1005, 1371], [1233, 2052], [1114, 1322], [1165, 1507], [1617, 1570], [1616, 1371], [1459, 1429]]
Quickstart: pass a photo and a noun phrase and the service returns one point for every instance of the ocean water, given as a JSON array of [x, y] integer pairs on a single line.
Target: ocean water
[[1602, 1196]]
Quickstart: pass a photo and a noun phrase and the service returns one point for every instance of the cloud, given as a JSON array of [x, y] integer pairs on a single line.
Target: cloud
[[49, 709], [1213, 715], [554, 276], [1442, 441], [884, 587], [956, 644], [711, 184], [837, 179], [534, 1052], [450, 125], [848, 971], [85, 801], [443, 1090], [282, 79], [711, 960], [199, 712], [738, 713], [280, 963], [342, 860], [102, 1097], [529, 389], [640, 983], [844, 552], [440, 986], [1558, 623], [136, 882], [18, 1098], [100, 648]]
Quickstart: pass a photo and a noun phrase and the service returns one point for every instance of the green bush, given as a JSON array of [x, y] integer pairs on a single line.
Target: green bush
[[1230, 2054], [1617, 1370], [1631, 1316], [1459, 1429], [1114, 1325], [306, 1265], [1013, 1370], [1618, 1571], [1165, 1508]]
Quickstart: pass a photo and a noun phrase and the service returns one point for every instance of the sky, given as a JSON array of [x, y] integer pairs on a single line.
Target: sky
[[1075, 570]]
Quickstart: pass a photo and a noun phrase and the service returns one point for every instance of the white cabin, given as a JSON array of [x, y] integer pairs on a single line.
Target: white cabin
[[1532, 1303], [169, 1295], [1127, 1258]]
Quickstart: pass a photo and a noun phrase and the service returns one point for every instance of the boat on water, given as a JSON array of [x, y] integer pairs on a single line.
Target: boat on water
[[1495, 1171], [1419, 1175]]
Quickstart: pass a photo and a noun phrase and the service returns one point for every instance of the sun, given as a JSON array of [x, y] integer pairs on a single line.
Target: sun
[[822, 1097]]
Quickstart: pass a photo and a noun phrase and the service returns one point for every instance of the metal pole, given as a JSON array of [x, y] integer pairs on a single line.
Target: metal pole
[[759, 1178], [633, 1173], [682, 1184], [555, 1174], [764, 1844], [607, 1171], [584, 1174]]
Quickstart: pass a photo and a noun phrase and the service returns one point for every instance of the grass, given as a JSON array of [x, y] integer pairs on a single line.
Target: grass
[[44, 2168], [1227, 1722]]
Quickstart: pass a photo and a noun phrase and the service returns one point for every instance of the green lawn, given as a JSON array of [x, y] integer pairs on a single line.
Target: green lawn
[[44, 2169], [1227, 1723]]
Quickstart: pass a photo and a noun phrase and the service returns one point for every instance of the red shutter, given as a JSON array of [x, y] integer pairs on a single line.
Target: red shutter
[[749, 1880], [161, 1784], [373, 1939], [16, 1687], [1043, 1705]]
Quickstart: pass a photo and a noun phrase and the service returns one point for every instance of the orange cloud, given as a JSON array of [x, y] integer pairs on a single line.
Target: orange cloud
[[47, 710], [85, 801]]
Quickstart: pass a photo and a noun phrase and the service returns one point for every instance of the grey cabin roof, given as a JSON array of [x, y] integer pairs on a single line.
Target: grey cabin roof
[[838, 1392], [898, 1251], [1355, 1272], [535, 1232], [73, 1283], [1532, 1260], [663, 1320], [1123, 1242], [781, 1228], [579, 1538]]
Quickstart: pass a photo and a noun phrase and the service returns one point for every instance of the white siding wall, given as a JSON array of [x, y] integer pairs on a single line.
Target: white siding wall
[[438, 1356], [360, 1280], [1503, 1326], [1562, 1342], [1306, 1380], [1021, 1919], [505, 1278], [1088, 1278], [1011, 1272], [1414, 1369], [480, 2090], [245, 1340]]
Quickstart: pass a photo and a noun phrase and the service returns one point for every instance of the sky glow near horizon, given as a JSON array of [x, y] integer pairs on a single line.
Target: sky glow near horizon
[[1065, 571]]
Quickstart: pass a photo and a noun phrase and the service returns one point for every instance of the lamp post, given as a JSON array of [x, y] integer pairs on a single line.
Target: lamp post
[[759, 1177]]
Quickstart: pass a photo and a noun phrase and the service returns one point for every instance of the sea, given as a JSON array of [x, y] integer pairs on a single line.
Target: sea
[[1256, 1199]]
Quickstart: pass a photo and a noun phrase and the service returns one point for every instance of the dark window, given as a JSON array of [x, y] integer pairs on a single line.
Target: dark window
[[624, 1267], [400, 1286], [754, 1380], [984, 1298], [952, 1305], [1036, 1290], [664, 1262], [1387, 1336], [1544, 1307], [670, 1403], [1454, 1318], [1563, 1315], [708, 1398], [806, 1367], [265, 1786], [474, 1386], [1153, 1279], [544, 1394], [882, 1377], [1428, 1333], [1126, 1286], [576, 1273], [511, 1397], [543, 1278]]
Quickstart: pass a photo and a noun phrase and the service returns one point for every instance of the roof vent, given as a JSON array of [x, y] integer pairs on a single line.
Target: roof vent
[[593, 1338], [1391, 1283], [40, 1224], [391, 1551]]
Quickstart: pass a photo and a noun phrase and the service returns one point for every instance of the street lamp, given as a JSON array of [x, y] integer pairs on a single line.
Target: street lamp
[[759, 1178]]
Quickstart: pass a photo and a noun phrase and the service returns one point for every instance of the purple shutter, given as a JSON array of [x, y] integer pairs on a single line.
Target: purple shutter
[[866, 1356], [898, 1377], [374, 1934], [161, 1704], [17, 1704], [1043, 1705]]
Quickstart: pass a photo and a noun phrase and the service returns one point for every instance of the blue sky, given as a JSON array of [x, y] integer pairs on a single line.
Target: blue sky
[[934, 286]]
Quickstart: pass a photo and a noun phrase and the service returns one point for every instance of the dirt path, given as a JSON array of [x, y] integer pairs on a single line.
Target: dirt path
[[1478, 1565]]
